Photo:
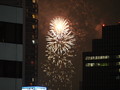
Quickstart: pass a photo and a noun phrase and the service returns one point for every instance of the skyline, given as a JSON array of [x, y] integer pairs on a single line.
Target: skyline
[[84, 19]]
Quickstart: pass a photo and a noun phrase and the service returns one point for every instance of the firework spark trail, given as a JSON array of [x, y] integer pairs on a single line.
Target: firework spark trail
[[59, 51], [83, 18], [60, 39]]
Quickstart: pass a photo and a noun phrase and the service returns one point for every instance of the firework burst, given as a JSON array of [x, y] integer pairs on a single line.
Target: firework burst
[[59, 51], [60, 39]]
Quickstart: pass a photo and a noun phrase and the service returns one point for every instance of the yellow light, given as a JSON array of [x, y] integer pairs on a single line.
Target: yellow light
[[33, 26], [33, 1], [33, 16], [59, 27], [59, 24]]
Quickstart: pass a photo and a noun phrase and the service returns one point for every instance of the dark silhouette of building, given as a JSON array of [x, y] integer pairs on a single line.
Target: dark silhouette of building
[[30, 66], [101, 67]]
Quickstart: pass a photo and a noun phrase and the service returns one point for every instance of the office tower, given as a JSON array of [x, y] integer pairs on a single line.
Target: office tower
[[11, 44], [30, 35], [101, 67]]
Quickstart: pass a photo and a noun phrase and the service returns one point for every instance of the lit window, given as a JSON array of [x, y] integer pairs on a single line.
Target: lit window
[[96, 57], [102, 64], [33, 79], [118, 63], [33, 41], [118, 56], [33, 16], [34, 1], [34, 26], [119, 70], [31, 84], [106, 57], [90, 64], [96, 64]]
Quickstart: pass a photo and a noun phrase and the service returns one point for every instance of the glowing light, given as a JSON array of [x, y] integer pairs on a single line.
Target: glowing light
[[33, 1], [60, 39], [59, 25], [33, 41], [103, 25], [59, 51]]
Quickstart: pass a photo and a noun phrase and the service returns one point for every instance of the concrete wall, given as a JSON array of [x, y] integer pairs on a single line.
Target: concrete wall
[[11, 14], [9, 51], [10, 84]]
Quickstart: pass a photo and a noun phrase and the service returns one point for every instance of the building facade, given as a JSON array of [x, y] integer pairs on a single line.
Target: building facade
[[11, 44], [101, 67], [30, 36]]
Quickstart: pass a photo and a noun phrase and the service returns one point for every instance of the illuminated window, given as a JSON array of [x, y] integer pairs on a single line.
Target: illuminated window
[[90, 64], [96, 64], [118, 63], [34, 26], [33, 41], [118, 56], [119, 70], [34, 1], [96, 57], [31, 84], [33, 79], [102, 64], [33, 15]]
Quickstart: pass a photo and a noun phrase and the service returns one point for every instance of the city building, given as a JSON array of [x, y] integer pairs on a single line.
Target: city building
[[101, 67], [18, 44], [30, 35], [11, 44]]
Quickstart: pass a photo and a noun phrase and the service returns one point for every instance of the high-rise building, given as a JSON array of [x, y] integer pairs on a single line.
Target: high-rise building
[[11, 44], [18, 43], [30, 35], [101, 67]]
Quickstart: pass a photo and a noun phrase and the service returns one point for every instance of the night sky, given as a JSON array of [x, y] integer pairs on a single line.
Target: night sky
[[109, 10], [86, 16]]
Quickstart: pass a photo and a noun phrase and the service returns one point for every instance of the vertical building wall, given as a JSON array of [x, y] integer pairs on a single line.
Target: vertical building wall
[[11, 48], [11, 14], [30, 43]]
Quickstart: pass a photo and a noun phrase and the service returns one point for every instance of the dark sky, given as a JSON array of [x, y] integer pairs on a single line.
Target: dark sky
[[87, 19], [109, 10], [97, 12]]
